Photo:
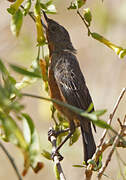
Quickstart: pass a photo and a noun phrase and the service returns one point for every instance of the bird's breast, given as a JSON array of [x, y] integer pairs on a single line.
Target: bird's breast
[[55, 92]]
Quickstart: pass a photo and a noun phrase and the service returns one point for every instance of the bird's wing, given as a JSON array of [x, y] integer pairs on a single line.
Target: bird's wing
[[71, 82]]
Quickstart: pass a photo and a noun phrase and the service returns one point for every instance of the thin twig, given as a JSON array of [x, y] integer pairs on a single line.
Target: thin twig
[[119, 157], [11, 161], [56, 158], [112, 115], [101, 147], [89, 32], [38, 55], [30, 13], [116, 141], [120, 169]]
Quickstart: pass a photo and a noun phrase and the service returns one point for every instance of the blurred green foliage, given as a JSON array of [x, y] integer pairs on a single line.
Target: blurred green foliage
[[11, 108]]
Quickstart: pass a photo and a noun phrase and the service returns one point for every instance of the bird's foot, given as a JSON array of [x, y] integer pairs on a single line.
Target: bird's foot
[[59, 156], [51, 133]]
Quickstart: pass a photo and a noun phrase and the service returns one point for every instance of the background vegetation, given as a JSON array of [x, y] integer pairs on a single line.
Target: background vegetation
[[102, 68]]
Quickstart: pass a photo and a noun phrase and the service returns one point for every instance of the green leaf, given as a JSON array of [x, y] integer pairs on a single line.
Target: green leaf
[[5, 103], [117, 49], [46, 154], [60, 117], [99, 163], [74, 137], [56, 172], [11, 10], [23, 71], [88, 15], [16, 22], [76, 4], [90, 108], [65, 124], [27, 80], [99, 112], [80, 3], [32, 139], [72, 6], [27, 7], [53, 110], [28, 127], [15, 6], [78, 166], [12, 131], [102, 124], [3, 68], [49, 7]]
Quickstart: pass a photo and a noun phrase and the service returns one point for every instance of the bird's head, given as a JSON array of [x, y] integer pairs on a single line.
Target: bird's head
[[57, 36]]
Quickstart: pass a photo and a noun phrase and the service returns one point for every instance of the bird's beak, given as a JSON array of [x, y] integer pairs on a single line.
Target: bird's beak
[[46, 18]]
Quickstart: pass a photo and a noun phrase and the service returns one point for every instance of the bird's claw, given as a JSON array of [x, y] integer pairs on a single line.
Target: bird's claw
[[51, 132], [60, 157]]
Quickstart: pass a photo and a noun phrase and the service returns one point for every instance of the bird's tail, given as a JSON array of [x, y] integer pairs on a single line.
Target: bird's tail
[[88, 143]]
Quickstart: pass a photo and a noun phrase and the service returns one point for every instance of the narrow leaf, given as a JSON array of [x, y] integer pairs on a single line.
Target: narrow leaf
[[102, 124], [23, 71], [32, 137], [39, 27], [46, 154], [90, 108], [27, 7], [14, 7], [16, 22], [99, 112], [79, 166], [81, 3], [12, 131], [3, 68], [87, 15], [117, 49], [74, 137], [56, 172]]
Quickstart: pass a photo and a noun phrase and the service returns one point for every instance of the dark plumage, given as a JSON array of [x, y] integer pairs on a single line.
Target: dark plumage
[[67, 82]]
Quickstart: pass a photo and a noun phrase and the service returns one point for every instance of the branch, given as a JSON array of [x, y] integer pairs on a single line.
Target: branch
[[11, 161], [115, 143], [119, 165], [30, 13], [112, 115], [56, 160], [101, 147], [89, 32]]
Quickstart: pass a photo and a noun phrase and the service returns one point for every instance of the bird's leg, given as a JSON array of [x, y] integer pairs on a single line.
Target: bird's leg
[[62, 131], [72, 129], [56, 133], [52, 132]]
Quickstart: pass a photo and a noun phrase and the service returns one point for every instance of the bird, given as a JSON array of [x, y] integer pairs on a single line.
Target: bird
[[67, 83]]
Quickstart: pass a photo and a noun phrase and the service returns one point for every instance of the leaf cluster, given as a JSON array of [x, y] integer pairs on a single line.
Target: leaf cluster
[[10, 112]]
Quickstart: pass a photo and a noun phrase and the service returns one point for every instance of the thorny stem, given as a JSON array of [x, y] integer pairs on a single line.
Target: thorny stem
[[11, 161]]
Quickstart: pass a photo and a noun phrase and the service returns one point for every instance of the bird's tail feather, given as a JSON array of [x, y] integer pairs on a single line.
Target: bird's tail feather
[[88, 143]]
